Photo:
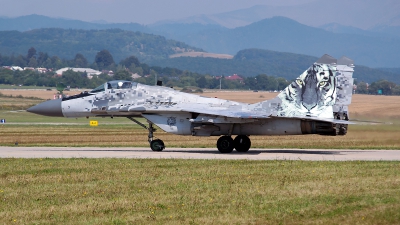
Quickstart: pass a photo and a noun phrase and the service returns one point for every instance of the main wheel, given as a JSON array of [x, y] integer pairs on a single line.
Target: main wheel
[[242, 143], [225, 144], [157, 145]]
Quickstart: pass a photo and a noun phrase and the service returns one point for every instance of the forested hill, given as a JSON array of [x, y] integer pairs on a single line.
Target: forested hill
[[251, 62], [66, 43], [155, 50]]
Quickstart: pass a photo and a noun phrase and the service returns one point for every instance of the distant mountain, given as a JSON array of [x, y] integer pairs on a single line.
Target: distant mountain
[[277, 34], [30, 22], [363, 17], [372, 48], [252, 62], [181, 30], [363, 14], [392, 70], [341, 29], [378, 31], [169, 30], [286, 35], [389, 30], [66, 43]]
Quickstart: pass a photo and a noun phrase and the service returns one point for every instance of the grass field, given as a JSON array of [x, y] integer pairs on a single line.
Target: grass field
[[17, 87], [151, 191]]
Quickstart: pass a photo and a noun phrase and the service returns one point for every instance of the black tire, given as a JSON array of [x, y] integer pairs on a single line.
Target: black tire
[[242, 143], [225, 144], [157, 145], [342, 130]]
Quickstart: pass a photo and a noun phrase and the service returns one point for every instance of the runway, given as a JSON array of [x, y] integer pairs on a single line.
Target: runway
[[200, 153]]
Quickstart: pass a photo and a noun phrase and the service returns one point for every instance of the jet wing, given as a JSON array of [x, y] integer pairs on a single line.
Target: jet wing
[[233, 111]]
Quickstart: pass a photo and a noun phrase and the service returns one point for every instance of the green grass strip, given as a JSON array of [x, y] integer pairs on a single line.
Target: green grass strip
[[151, 191]]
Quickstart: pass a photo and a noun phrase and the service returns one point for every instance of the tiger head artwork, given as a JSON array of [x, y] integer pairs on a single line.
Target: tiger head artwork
[[312, 94]]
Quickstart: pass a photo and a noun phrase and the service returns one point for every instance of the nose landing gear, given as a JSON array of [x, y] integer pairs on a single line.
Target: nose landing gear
[[155, 145]]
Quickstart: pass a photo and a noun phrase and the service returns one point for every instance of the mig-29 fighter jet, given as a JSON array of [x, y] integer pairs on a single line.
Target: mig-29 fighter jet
[[315, 103]]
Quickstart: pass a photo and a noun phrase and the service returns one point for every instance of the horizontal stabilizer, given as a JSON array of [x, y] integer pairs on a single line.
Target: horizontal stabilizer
[[319, 119]]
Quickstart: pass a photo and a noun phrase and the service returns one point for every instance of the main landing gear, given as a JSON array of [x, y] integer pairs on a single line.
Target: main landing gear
[[156, 145], [226, 144]]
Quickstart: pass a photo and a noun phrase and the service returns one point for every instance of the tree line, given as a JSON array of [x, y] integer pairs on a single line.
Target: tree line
[[123, 70], [381, 87], [104, 61]]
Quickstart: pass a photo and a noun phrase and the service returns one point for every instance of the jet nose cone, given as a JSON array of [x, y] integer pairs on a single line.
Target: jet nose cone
[[49, 108]]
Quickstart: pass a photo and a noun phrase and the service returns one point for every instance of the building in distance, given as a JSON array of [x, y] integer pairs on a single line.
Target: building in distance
[[235, 77], [90, 72]]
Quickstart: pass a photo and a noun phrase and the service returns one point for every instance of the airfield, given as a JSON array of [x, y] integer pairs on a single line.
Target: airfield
[[365, 141], [58, 170]]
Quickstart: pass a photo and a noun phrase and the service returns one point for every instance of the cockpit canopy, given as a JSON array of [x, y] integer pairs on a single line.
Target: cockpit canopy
[[115, 84]]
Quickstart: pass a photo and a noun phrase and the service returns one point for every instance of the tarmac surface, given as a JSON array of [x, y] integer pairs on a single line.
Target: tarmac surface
[[200, 153]]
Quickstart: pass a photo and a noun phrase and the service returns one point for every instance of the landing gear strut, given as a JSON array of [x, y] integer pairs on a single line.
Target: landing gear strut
[[226, 144], [155, 145]]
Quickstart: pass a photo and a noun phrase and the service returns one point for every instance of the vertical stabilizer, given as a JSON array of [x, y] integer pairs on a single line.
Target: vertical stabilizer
[[313, 93], [323, 91]]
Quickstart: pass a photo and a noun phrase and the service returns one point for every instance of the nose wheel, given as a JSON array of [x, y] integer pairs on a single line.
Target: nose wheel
[[157, 145]]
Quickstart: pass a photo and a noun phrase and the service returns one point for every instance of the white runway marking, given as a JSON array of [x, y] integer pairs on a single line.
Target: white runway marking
[[199, 153]]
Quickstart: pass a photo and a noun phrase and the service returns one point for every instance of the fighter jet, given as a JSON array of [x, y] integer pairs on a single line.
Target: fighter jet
[[314, 103]]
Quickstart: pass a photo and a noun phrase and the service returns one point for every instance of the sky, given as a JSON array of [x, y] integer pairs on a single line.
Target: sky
[[126, 11]]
